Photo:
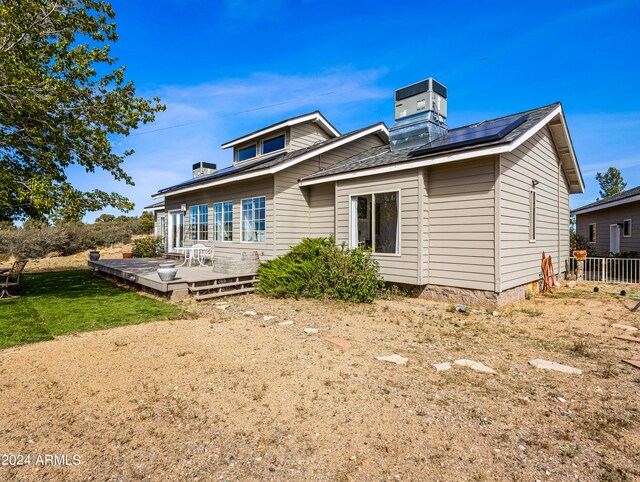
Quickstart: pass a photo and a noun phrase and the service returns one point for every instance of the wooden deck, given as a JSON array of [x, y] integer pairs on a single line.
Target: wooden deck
[[200, 281]]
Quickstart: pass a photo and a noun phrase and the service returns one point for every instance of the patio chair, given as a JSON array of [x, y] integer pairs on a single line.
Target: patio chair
[[11, 278], [197, 251], [202, 252], [207, 253]]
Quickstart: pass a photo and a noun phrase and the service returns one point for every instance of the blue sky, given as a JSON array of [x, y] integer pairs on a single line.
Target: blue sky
[[228, 67]]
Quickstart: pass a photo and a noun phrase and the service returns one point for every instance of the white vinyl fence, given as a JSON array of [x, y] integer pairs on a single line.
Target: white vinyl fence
[[609, 270]]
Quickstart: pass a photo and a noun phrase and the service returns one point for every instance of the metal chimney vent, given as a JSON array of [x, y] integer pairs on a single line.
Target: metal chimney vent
[[420, 113], [201, 169]]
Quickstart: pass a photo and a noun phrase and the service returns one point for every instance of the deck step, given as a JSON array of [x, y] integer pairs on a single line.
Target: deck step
[[218, 294], [222, 285]]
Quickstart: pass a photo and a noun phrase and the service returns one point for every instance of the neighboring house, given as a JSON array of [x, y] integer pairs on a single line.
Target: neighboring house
[[465, 212], [611, 226]]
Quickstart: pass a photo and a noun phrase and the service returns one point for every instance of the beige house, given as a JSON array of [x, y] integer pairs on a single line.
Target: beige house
[[463, 213]]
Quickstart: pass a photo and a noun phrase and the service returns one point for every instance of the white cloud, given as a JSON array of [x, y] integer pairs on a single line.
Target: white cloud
[[200, 118]]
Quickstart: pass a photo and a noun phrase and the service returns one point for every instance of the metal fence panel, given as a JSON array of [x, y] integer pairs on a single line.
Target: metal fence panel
[[609, 270]]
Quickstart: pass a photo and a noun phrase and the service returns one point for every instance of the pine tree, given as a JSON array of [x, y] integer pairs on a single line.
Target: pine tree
[[611, 183]]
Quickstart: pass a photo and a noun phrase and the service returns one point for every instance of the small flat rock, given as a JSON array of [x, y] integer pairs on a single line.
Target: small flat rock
[[222, 307], [474, 365], [221, 303], [250, 313], [311, 331], [268, 317], [340, 343], [285, 323], [441, 367], [549, 365], [461, 308], [395, 358], [624, 327], [628, 338]]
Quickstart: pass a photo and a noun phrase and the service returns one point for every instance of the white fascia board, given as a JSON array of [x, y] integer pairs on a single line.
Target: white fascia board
[[533, 130], [611, 204], [378, 128], [314, 117], [452, 157], [490, 151], [156, 208]]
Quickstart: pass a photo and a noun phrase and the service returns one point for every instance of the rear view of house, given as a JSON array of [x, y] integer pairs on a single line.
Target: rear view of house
[[608, 224], [463, 213]]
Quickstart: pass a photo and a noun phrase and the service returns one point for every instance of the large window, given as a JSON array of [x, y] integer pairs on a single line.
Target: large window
[[626, 228], [272, 145], [592, 233], [253, 220], [246, 153], [532, 215], [375, 222], [223, 221], [199, 223]]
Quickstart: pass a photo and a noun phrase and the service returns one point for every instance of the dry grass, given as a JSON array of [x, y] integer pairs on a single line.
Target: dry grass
[[232, 397]]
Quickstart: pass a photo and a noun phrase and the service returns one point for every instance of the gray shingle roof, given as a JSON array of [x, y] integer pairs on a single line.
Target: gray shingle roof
[[264, 163], [603, 202], [383, 155]]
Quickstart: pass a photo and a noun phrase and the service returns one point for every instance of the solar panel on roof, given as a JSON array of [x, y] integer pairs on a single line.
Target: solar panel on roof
[[468, 136]]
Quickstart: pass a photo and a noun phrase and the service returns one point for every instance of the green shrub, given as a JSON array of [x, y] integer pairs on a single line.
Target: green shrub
[[317, 268], [147, 247]]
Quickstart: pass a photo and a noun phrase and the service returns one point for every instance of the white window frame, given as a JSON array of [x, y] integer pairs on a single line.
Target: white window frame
[[222, 233], [595, 232], [630, 228], [242, 231], [353, 234], [284, 134], [533, 215], [255, 144], [199, 223]]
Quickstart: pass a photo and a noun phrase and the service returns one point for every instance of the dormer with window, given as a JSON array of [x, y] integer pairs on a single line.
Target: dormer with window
[[289, 135]]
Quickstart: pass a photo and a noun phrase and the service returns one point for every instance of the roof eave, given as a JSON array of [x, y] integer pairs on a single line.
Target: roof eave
[[570, 162], [606, 205], [379, 129], [315, 117]]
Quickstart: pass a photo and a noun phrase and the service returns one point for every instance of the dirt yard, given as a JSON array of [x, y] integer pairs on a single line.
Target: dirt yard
[[229, 396]]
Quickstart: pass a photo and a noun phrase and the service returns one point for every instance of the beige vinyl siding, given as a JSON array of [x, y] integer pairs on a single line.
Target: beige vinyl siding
[[405, 267], [322, 214], [461, 224], [306, 134], [294, 204], [536, 159], [262, 186], [604, 219]]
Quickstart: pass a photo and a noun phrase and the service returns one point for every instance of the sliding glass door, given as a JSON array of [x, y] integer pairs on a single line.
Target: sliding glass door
[[176, 231]]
